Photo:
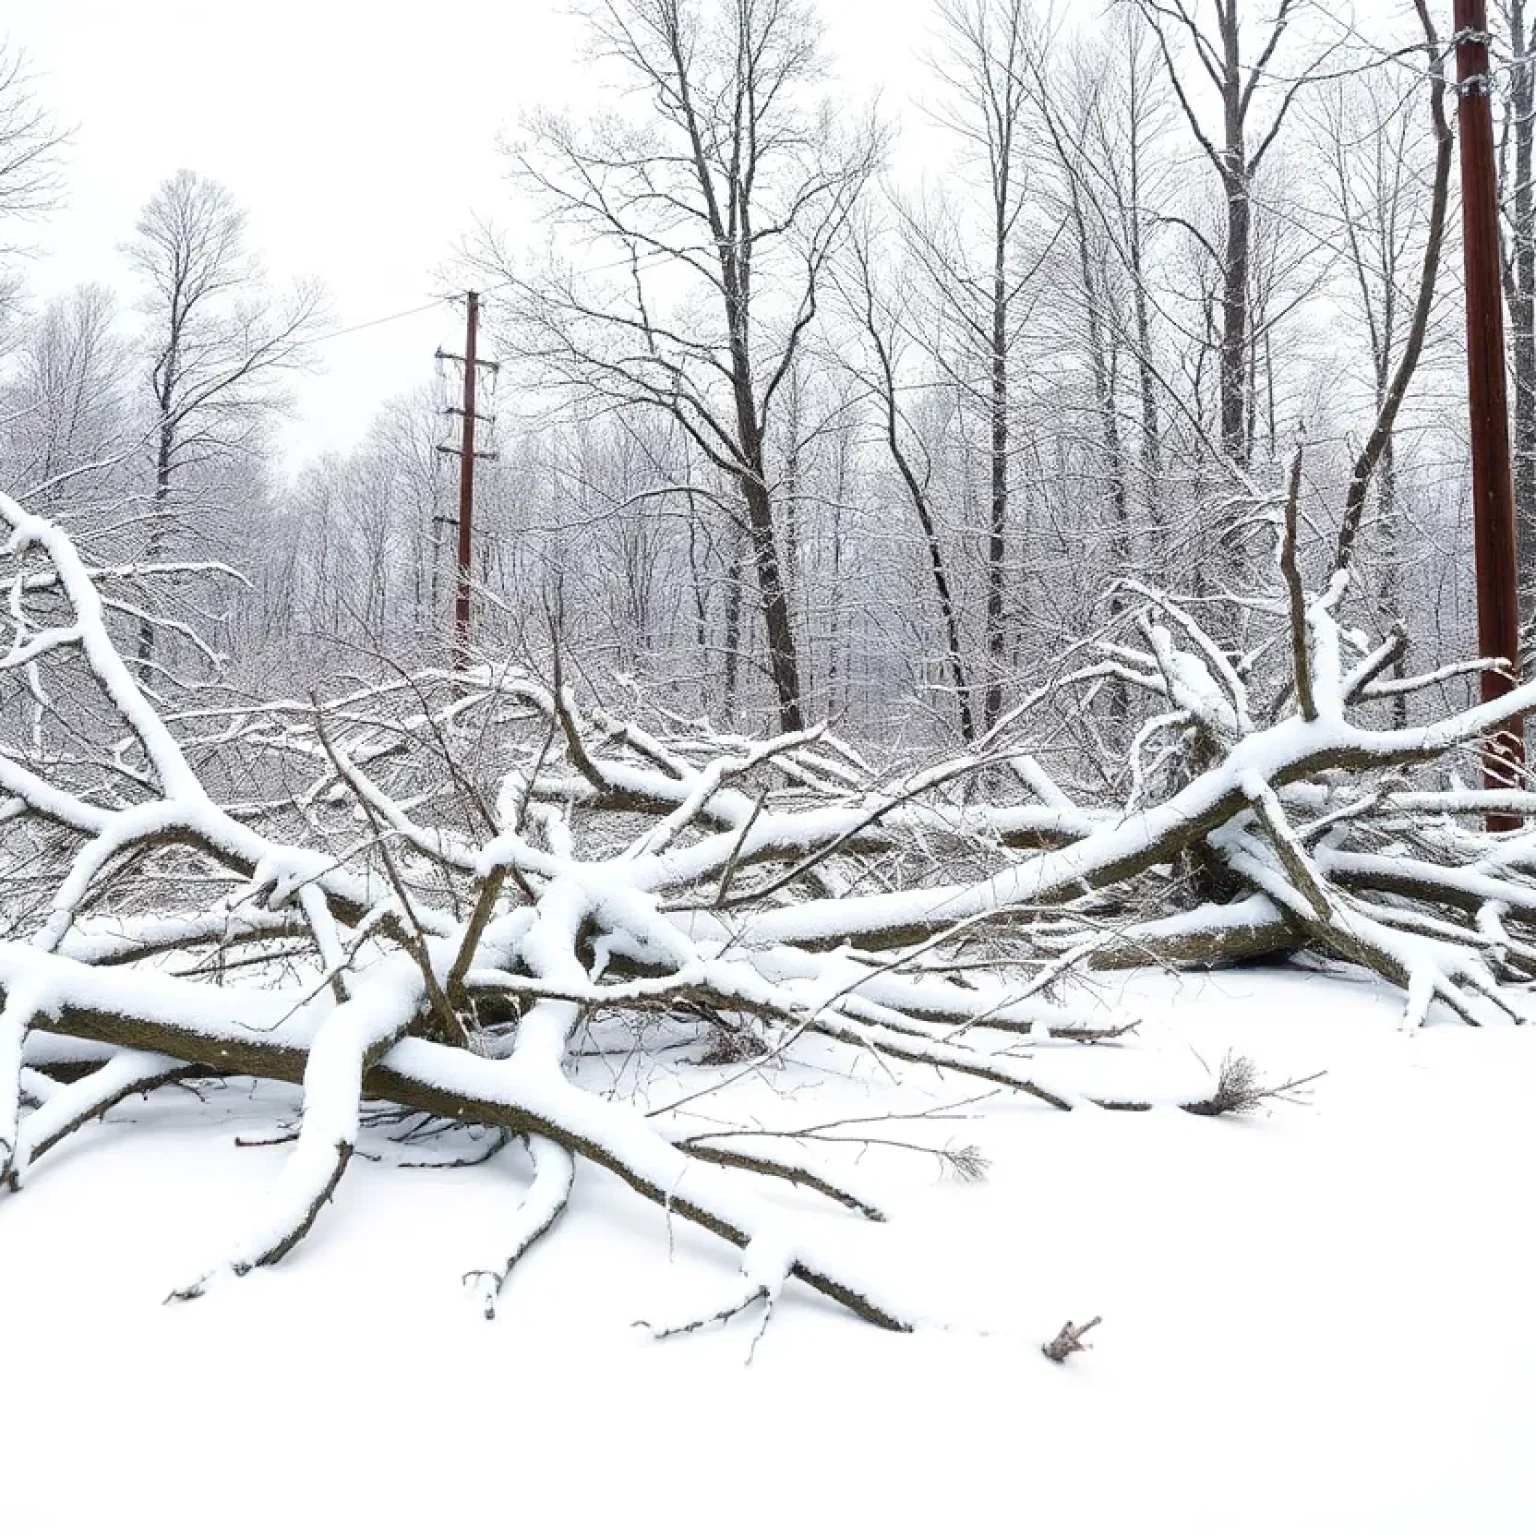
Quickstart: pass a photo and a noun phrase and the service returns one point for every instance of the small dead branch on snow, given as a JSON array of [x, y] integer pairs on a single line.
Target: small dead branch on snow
[[1069, 1341], [1240, 1090]]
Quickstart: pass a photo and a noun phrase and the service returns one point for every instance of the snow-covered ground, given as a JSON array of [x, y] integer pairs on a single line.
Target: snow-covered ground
[[1318, 1320]]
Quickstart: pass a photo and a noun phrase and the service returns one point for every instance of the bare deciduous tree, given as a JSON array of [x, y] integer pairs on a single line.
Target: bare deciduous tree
[[874, 297], [723, 204], [221, 344], [67, 419], [986, 51], [30, 142], [1387, 301], [1236, 152]]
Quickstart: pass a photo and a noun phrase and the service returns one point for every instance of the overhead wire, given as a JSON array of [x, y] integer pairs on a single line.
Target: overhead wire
[[645, 263], [365, 325]]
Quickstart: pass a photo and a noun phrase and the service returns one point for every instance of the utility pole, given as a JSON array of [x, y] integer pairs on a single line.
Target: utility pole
[[1493, 497], [467, 454]]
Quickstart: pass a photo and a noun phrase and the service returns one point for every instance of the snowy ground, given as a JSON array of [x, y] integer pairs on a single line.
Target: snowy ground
[[1315, 1321]]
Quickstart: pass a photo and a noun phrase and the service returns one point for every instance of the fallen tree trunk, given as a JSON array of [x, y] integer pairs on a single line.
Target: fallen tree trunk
[[458, 958]]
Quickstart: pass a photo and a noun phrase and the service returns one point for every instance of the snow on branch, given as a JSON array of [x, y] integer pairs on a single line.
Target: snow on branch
[[451, 895]]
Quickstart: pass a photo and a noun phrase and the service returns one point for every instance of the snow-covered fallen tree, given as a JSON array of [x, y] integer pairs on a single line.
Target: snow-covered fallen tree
[[438, 893]]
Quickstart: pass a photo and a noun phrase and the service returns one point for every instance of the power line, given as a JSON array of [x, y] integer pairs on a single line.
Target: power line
[[646, 263], [366, 325]]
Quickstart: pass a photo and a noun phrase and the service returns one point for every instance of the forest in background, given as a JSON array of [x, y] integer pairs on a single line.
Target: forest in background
[[786, 431]]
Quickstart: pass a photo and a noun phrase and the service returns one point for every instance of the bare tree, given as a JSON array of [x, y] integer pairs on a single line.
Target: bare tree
[[880, 311], [1119, 172], [1068, 124], [1394, 370], [221, 344], [723, 203], [67, 429], [986, 50], [1236, 152], [30, 142]]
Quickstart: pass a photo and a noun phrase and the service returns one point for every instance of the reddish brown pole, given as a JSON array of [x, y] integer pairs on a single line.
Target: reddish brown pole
[[467, 493], [1493, 496]]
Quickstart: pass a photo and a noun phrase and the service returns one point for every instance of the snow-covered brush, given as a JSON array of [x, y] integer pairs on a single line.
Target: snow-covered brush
[[443, 894]]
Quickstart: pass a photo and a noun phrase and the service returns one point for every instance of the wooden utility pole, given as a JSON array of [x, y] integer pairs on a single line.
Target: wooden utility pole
[[467, 455], [466, 489], [1493, 496]]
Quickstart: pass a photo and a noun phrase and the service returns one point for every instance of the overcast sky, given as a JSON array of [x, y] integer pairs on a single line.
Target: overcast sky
[[360, 136]]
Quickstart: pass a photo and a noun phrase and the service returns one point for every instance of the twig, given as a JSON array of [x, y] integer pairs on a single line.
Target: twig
[[1069, 1341]]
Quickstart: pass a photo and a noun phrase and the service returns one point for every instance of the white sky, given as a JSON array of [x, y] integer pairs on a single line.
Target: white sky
[[360, 135]]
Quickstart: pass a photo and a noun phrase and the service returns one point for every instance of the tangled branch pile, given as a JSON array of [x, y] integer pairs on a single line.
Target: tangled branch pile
[[436, 892]]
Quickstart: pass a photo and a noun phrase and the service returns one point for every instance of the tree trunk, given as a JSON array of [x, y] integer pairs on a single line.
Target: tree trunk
[[733, 637], [1234, 312], [1235, 174], [1151, 434], [998, 522], [751, 475], [783, 663], [164, 453]]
